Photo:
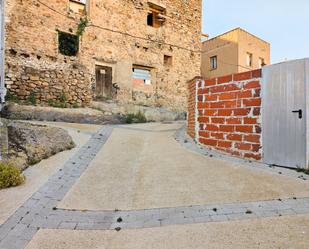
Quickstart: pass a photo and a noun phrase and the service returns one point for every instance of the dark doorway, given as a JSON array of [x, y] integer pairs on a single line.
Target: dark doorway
[[104, 82]]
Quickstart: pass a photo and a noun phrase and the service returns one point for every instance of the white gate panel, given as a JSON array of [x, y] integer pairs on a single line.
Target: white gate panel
[[284, 114]]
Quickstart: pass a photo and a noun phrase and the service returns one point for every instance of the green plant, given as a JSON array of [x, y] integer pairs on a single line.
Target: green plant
[[305, 171], [83, 22], [11, 98], [31, 99], [57, 104], [61, 102], [63, 97], [138, 117], [75, 105], [10, 176]]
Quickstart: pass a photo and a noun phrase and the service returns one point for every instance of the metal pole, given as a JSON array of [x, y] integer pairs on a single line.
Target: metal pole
[[2, 54]]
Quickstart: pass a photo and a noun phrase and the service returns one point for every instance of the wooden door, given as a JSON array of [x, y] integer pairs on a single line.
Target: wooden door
[[104, 81]]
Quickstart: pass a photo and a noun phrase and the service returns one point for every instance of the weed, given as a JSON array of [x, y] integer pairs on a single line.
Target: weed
[[61, 102], [136, 118], [75, 105], [31, 99], [10, 176], [305, 171], [83, 22], [63, 97], [11, 98]]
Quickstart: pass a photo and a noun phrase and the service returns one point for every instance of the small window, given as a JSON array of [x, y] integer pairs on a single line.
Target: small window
[[261, 62], [150, 19], [168, 60], [156, 16], [249, 59], [213, 62], [68, 44], [78, 6], [141, 73]]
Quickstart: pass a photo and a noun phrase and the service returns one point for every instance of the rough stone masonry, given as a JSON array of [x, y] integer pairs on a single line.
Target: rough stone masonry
[[115, 37]]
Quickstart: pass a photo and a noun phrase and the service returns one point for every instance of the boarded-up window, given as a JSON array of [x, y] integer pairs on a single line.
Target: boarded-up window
[[78, 6], [68, 44], [143, 74]]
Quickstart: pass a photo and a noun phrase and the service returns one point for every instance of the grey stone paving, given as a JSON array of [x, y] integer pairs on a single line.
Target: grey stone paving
[[40, 210], [36, 212]]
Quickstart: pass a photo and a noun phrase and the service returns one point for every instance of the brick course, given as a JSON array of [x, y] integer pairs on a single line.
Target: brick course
[[228, 113]]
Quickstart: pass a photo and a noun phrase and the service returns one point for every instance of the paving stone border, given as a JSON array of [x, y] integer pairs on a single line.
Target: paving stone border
[[40, 210], [35, 213], [102, 220]]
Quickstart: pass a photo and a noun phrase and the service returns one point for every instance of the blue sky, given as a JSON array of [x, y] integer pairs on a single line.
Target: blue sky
[[283, 23]]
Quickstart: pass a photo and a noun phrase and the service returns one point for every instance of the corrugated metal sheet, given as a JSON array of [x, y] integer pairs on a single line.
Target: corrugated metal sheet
[[283, 132]]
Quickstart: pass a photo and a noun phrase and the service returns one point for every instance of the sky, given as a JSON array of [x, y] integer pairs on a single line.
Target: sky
[[283, 23]]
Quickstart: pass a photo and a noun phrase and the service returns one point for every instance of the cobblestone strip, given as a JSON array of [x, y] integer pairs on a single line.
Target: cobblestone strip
[[36, 212], [103, 220]]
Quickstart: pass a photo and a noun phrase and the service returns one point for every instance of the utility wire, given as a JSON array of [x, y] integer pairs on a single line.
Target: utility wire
[[234, 64], [124, 33]]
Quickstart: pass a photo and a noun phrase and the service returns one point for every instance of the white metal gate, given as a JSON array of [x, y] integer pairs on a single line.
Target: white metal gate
[[284, 113]]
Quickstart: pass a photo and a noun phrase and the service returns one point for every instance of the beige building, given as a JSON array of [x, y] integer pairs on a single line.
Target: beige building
[[235, 51], [137, 51]]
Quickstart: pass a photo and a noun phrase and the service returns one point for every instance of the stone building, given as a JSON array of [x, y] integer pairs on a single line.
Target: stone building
[[131, 51], [233, 52]]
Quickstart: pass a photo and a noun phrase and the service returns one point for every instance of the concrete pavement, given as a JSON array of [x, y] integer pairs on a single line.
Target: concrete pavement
[[158, 194], [143, 167], [269, 233]]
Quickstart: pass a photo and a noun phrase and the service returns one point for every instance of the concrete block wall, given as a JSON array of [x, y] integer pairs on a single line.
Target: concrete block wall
[[226, 113]]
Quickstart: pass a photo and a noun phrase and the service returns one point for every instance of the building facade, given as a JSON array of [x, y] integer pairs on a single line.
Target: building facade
[[131, 51], [233, 52]]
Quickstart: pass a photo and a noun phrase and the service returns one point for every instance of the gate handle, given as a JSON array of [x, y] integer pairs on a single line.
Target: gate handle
[[300, 113]]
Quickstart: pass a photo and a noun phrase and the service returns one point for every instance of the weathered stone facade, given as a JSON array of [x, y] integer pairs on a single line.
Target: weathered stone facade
[[117, 37]]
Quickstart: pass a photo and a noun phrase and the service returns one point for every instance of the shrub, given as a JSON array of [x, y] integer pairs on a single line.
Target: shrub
[[60, 103], [75, 105], [31, 99], [11, 98], [136, 118], [10, 176], [305, 171]]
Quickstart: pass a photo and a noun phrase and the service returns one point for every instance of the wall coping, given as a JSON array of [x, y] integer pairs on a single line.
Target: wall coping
[[257, 73]]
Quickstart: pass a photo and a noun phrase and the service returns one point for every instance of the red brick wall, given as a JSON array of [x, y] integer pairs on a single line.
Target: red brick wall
[[229, 114]]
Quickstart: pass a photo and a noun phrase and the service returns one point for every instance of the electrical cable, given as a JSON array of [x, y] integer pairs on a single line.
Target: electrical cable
[[124, 33]]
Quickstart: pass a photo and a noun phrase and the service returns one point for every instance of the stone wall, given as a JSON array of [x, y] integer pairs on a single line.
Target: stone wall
[[117, 36], [228, 114], [64, 83]]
